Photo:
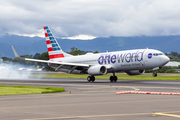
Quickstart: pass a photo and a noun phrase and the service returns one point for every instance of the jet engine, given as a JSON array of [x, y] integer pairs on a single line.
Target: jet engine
[[97, 70], [135, 72]]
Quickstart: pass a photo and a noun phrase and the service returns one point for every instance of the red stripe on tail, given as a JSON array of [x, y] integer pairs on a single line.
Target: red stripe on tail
[[46, 35], [56, 56], [48, 42], [50, 49]]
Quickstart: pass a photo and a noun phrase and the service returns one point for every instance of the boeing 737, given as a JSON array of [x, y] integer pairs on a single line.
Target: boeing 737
[[133, 62]]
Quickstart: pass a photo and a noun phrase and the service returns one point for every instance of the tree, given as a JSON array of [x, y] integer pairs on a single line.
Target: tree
[[36, 56], [96, 52], [178, 66], [44, 56], [174, 53], [26, 56], [75, 51], [6, 59], [178, 56]]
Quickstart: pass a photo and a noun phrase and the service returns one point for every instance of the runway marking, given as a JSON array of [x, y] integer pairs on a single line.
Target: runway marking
[[90, 116], [110, 115], [170, 115]]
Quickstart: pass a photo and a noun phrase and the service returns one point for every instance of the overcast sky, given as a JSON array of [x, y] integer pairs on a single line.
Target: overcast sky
[[99, 18]]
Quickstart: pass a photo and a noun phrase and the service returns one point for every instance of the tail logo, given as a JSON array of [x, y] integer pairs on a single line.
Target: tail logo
[[52, 45]]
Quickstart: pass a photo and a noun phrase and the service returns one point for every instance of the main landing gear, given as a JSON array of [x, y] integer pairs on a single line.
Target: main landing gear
[[113, 78], [91, 78]]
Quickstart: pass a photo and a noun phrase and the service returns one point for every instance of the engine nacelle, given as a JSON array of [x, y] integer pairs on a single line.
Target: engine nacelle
[[135, 72], [97, 70]]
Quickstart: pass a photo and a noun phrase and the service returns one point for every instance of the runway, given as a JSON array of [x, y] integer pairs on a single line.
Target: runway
[[83, 100]]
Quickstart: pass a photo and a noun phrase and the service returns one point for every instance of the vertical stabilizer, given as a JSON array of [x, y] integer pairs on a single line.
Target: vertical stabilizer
[[54, 49]]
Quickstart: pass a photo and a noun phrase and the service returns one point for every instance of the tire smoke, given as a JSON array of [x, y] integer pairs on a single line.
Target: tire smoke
[[15, 71]]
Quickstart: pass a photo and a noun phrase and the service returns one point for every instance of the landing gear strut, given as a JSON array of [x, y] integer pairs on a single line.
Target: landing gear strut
[[91, 78], [154, 74], [154, 71], [113, 78]]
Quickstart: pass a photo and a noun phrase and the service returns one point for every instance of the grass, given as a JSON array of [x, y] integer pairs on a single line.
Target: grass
[[18, 90], [137, 77]]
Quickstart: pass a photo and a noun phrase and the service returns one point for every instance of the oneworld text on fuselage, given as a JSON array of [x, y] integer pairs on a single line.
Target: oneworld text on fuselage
[[120, 58]]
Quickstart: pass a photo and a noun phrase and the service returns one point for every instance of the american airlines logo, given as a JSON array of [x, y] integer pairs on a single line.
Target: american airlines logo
[[120, 58]]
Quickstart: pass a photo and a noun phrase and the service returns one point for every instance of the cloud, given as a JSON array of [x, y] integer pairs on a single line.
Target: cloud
[[102, 18], [80, 37], [40, 33]]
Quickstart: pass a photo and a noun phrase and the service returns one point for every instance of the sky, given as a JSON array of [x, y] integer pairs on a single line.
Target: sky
[[88, 19]]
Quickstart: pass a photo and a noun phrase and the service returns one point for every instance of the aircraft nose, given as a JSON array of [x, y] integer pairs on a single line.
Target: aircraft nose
[[165, 59]]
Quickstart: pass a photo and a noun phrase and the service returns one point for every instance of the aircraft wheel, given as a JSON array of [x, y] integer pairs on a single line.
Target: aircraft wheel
[[154, 74], [89, 78], [115, 78], [111, 78], [92, 78]]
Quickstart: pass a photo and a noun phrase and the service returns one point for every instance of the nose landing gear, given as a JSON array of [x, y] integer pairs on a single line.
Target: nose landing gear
[[154, 74], [154, 71]]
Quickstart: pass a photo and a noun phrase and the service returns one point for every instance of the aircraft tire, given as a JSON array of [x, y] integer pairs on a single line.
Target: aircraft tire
[[89, 78], [111, 78], [92, 78], [115, 78], [154, 74]]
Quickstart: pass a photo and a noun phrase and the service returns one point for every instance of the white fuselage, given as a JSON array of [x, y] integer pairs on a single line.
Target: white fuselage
[[139, 59]]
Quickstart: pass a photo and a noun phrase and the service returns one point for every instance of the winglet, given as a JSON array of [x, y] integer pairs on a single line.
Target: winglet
[[15, 53]]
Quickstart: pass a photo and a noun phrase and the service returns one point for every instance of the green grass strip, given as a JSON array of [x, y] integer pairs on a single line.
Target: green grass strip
[[137, 77], [18, 90]]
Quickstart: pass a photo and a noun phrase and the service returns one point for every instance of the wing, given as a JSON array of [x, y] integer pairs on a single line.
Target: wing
[[60, 63], [72, 66]]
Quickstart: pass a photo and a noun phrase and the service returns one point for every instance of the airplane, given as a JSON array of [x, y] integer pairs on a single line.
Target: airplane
[[133, 62]]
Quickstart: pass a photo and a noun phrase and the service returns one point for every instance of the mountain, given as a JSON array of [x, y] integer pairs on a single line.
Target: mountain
[[33, 45]]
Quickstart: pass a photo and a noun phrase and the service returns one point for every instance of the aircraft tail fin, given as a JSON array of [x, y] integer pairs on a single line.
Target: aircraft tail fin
[[54, 49], [15, 53]]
